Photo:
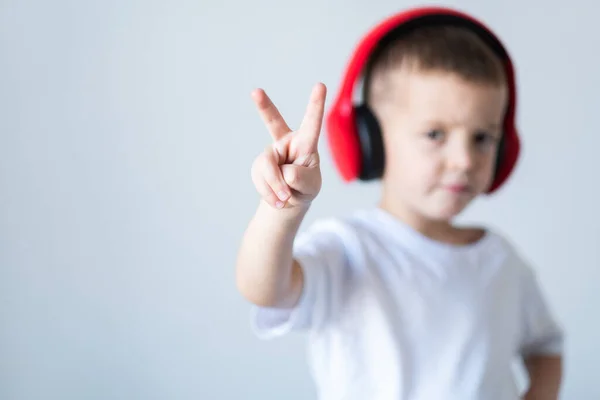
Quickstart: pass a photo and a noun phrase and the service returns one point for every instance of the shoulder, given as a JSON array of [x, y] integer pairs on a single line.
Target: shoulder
[[348, 227], [504, 248], [346, 235]]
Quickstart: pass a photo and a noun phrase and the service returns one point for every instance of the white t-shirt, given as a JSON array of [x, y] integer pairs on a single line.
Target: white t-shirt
[[393, 315]]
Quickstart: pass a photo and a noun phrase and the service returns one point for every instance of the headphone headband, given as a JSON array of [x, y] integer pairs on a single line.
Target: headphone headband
[[341, 125]]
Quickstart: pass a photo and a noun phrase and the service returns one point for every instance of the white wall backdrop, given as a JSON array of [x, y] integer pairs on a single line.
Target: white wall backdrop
[[126, 138]]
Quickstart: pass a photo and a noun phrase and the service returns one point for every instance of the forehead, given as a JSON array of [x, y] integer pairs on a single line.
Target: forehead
[[448, 97]]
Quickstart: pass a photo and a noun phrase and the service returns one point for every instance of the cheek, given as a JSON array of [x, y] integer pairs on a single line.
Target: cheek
[[411, 162], [485, 172]]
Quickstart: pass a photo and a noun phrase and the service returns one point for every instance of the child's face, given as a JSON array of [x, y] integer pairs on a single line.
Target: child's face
[[441, 135]]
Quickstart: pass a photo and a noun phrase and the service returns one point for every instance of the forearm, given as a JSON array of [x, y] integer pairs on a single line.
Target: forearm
[[264, 272], [545, 375]]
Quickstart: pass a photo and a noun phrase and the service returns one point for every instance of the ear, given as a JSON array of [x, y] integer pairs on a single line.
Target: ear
[[371, 143], [500, 154]]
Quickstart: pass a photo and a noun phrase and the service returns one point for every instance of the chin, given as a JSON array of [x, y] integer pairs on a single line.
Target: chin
[[442, 215], [446, 212]]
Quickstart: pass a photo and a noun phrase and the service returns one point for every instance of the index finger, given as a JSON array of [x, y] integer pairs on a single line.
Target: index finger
[[313, 118], [270, 115]]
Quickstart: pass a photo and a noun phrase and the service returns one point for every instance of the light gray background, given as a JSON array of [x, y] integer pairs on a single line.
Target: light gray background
[[126, 138]]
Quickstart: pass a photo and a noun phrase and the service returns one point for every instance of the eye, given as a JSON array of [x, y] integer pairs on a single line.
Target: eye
[[435, 135], [485, 139]]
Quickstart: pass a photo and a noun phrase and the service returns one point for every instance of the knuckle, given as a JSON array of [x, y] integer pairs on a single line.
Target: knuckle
[[270, 173], [272, 200], [291, 175], [264, 190], [271, 119], [268, 156], [264, 167], [264, 156], [277, 148], [258, 167]]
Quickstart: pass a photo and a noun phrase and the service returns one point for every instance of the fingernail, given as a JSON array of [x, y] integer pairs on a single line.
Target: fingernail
[[279, 204], [283, 195]]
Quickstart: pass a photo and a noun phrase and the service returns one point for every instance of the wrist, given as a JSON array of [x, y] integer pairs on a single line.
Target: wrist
[[539, 392], [286, 215]]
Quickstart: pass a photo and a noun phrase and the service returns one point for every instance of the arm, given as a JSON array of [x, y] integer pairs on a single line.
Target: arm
[[542, 344], [287, 176], [266, 274], [545, 376]]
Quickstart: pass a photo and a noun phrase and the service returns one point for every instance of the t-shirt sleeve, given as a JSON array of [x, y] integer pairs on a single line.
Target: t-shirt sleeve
[[542, 334], [322, 255]]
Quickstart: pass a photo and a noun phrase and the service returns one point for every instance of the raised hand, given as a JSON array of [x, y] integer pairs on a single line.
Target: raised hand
[[287, 173]]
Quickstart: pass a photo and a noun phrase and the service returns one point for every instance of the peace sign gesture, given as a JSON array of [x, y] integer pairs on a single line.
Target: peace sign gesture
[[287, 173]]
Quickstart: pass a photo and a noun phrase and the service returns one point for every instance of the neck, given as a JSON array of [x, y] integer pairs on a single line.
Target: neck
[[435, 229], [440, 230]]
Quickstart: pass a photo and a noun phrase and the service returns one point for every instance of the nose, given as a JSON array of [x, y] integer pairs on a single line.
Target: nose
[[461, 156]]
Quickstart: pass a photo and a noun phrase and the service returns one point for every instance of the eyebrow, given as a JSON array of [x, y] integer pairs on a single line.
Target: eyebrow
[[491, 126]]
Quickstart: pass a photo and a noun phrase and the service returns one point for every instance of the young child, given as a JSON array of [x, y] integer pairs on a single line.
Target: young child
[[399, 302]]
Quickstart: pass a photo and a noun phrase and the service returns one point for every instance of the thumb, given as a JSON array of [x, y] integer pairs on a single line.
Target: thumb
[[303, 179]]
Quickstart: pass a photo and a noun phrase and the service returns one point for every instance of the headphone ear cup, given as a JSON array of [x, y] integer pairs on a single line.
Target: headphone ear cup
[[500, 155], [371, 143]]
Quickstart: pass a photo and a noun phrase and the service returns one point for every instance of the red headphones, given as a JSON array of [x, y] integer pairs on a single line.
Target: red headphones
[[353, 133]]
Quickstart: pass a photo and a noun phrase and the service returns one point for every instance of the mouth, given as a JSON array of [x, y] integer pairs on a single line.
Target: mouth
[[457, 188]]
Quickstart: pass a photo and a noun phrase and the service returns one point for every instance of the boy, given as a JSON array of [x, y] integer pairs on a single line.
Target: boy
[[400, 303]]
